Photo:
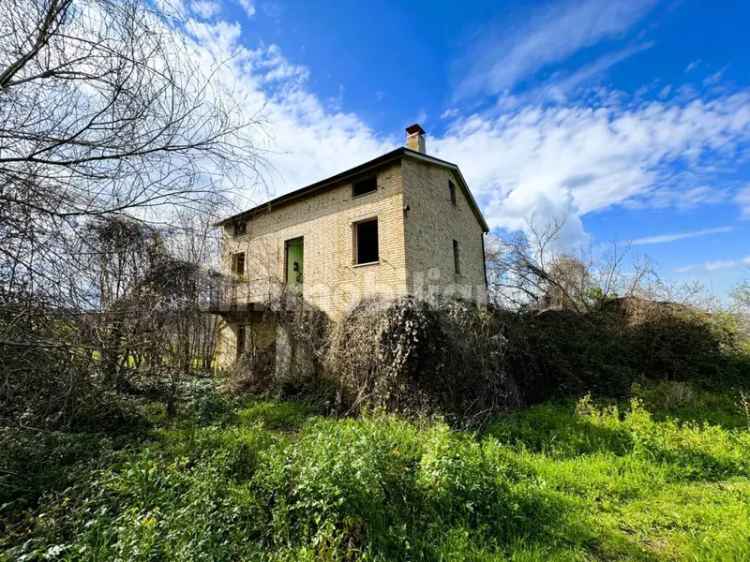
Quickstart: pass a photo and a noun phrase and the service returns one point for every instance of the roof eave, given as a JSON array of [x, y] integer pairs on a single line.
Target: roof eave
[[358, 170], [317, 186]]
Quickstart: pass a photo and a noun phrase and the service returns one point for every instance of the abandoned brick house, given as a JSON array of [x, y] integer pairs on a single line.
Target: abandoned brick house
[[403, 223]]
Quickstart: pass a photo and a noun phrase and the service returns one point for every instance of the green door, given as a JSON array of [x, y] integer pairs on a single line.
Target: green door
[[295, 254]]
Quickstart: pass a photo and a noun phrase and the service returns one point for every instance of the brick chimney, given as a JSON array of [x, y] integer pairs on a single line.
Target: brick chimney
[[415, 138]]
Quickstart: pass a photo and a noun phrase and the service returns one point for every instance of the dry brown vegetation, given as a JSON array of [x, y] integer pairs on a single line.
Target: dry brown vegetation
[[468, 363], [412, 357]]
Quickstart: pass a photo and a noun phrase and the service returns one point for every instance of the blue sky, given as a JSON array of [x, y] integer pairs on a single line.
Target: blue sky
[[629, 120]]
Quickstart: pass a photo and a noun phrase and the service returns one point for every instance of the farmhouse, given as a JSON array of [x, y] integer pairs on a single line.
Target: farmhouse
[[404, 223]]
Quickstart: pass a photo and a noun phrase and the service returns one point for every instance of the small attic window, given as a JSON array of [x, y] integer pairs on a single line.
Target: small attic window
[[452, 189], [364, 186], [240, 228]]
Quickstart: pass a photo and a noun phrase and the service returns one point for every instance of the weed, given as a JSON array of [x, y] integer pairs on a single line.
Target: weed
[[269, 480]]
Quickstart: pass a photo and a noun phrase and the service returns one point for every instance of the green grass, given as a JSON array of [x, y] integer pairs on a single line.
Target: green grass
[[664, 477]]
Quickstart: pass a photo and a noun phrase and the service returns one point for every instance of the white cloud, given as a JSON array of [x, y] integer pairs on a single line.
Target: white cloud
[[568, 161], [560, 87], [248, 6], [449, 113], [677, 194], [563, 161], [301, 138], [714, 78], [550, 35], [743, 200], [693, 65], [716, 265], [272, 66], [205, 9], [666, 238]]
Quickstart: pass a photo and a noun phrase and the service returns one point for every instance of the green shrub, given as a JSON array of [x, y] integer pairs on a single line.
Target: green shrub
[[569, 481], [341, 484], [689, 402], [159, 503], [276, 415], [565, 432], [695, 450]]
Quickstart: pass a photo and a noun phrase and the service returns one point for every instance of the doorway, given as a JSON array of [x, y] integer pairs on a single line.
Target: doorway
[[294, 263]]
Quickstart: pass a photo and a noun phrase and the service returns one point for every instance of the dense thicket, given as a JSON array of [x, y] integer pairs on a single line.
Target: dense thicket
[[64, 367], [409, 356], [563, 353], [459, 360]]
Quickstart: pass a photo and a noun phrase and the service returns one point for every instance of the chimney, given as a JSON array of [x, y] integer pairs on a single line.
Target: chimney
[[415, 138]]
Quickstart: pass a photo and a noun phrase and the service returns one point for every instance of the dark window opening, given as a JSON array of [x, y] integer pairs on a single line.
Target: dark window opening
[[366, 241], [367, 185], [241, 336], [240, 228], [238, 263], [456, 258], [452, 189]]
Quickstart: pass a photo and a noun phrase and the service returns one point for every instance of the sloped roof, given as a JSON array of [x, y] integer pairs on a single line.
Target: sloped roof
[[388, 157]]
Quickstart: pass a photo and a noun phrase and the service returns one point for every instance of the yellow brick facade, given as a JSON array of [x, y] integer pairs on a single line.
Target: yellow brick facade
[[332, 282], [432, 223], [417, 223]]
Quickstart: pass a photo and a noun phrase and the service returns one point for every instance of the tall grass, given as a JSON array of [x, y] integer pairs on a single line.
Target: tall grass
[[272, 481]]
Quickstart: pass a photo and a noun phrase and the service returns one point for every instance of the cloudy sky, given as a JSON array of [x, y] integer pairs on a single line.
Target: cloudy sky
[[627, 119]]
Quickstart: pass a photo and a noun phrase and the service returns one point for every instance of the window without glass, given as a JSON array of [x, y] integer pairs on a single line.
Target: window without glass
[[456, 257], [240, 228], [366, 241], [364, 186], [241, 336], [238, 263], [452, 189]]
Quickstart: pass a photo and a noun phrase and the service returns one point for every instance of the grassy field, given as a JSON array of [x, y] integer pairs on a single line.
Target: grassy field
[[664, 477]]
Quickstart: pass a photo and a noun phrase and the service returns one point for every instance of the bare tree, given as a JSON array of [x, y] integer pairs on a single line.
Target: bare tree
[[101, 112], [151, 325], [529, 270], [524, 270], [104, 114], [741, 307], [197, 242], [741, 297]]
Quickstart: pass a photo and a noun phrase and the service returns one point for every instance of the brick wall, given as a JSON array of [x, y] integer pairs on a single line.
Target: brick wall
[[325, 221], [431, 225], [415, 246]]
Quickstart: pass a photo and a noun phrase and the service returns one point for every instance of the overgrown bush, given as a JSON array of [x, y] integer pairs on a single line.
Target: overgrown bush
[[563, 353], [48, 378], [456, 359], [293, 364], [409, 356]]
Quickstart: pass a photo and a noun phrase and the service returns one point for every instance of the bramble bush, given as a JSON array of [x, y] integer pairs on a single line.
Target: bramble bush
[[412, 357], [466, 363], [563, 353]]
